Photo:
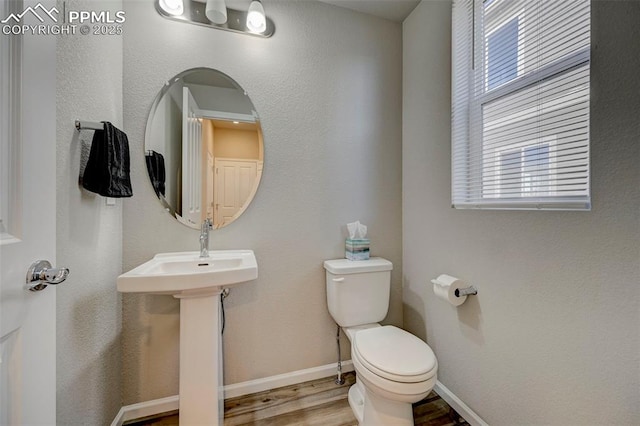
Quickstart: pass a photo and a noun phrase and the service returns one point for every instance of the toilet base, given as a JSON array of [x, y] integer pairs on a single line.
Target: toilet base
[[371, 410], [356, 401]]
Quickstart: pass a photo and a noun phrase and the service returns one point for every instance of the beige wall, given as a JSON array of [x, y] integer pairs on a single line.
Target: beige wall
[[327, 87], [231, 143], [552, 337], [89, 233]]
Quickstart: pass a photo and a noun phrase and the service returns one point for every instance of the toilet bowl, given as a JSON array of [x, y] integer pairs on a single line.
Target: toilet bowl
[[393, 367]]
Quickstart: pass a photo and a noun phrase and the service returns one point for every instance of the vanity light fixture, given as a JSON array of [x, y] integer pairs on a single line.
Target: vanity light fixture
[[216, 11], [216, 14], [256, 19], [172, 7]]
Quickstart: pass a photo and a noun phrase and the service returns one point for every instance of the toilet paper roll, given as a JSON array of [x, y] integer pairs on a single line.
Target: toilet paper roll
[[445, 287]]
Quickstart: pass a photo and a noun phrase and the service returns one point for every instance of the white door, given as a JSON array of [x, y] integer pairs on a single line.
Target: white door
[[27, 228], [191, 160], [235, 182]]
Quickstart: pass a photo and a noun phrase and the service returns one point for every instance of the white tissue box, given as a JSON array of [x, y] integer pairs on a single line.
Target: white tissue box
[[357, 249]]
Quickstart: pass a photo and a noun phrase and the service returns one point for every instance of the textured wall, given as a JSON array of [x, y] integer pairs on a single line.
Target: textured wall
[[552, 337], [328, 90], [89, 233]]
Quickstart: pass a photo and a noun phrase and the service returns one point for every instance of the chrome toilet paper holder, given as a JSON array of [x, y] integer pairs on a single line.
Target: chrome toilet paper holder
[[466, 291], [452, 289]]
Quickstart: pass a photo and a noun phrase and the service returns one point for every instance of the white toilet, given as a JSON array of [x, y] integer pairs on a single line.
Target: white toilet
[[393, 367]]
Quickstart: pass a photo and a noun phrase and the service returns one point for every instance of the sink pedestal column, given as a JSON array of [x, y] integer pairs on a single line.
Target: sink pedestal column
[[201, 385]]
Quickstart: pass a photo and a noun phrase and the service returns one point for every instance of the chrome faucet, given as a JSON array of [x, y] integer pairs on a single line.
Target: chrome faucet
[[204, 238]]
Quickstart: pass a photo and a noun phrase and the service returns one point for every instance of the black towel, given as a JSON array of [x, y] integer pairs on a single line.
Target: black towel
[[107, 170], [155, 167]]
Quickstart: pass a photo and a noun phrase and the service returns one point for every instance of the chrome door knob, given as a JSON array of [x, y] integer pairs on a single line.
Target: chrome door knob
[[41, 274]]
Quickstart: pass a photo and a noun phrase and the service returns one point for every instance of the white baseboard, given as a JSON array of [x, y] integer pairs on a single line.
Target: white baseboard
[[457, 404], [273, 382], [163, 405], [158, 406], [145, 409]]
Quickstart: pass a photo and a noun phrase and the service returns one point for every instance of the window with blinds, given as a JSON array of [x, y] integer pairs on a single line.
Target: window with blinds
[[520, 113]]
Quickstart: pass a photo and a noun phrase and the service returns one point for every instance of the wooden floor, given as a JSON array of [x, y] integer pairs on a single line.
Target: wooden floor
[[317, 403]]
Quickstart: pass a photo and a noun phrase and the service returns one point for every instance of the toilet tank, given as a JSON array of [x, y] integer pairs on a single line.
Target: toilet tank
[[358, 290]]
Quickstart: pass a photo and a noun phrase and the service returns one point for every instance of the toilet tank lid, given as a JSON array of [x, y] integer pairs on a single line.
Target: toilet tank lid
[[346, 266]]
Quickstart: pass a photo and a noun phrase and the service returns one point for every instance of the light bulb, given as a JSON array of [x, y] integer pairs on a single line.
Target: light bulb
[[172, 7], [216, 11], [256, 20]]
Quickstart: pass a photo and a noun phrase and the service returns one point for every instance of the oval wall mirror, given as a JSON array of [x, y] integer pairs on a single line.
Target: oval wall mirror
[[204, 149]]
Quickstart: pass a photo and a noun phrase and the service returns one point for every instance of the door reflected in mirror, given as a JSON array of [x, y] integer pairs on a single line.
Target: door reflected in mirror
[[204, 148]]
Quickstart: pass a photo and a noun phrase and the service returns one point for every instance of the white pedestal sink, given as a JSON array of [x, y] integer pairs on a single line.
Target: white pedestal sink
[[198, 284]]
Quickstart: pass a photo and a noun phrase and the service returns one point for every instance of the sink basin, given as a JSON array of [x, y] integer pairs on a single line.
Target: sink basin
[[176, 273]]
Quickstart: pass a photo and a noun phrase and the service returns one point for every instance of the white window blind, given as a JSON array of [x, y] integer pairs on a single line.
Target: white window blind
[[520, 104]]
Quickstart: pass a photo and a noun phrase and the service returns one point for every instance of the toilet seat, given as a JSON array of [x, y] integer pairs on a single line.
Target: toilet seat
[[394, 354]]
